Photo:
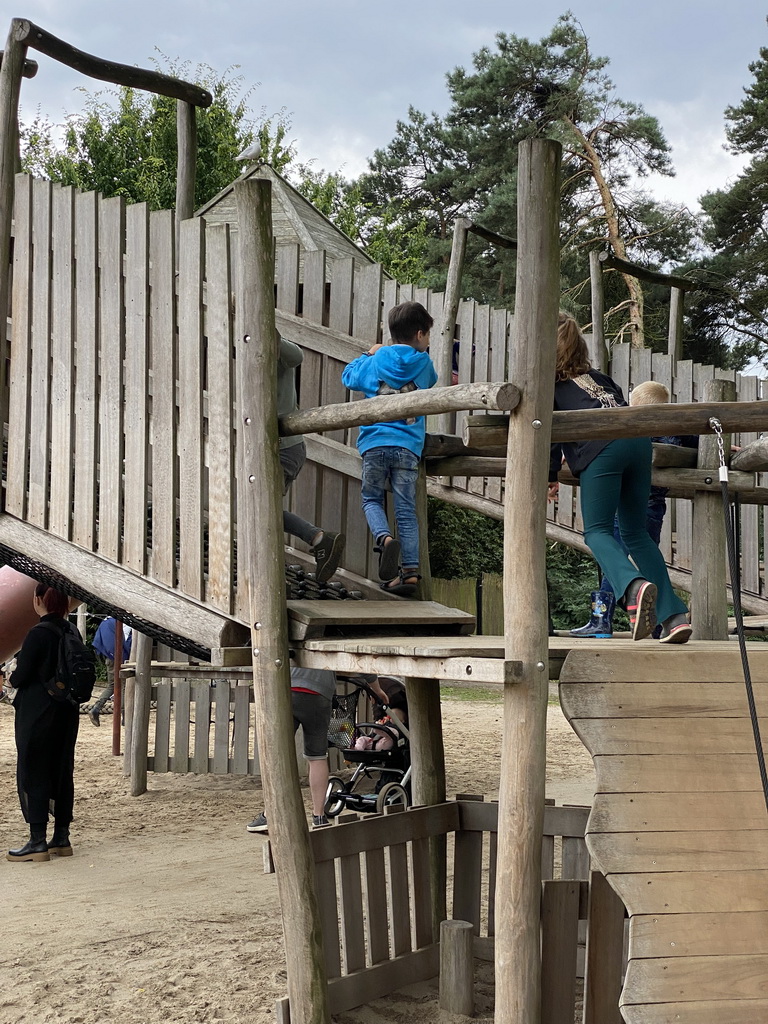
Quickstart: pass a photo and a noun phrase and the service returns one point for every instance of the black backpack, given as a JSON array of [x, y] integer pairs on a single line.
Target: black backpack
[[75, 668]]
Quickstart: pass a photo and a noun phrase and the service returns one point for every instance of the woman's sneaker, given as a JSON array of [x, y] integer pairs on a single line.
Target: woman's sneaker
[[259, 823], [676, 630], [640, 606]]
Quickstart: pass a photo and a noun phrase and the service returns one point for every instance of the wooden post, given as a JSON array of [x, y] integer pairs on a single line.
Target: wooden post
[[523, 754], [260, 528], [186, 162], [128, 697], [605, 953], [457, 967], [10, 86], [117, 692], [598, 353], [441, 347], [675, 335], [426, 728], [142, 690], [709, 602]]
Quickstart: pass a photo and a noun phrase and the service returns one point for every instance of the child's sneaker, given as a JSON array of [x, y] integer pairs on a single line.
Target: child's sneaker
[[328, 552], [319, 821], [259, 823]]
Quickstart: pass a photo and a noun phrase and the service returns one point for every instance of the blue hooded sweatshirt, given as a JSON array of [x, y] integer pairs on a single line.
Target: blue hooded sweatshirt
[[393, 368]]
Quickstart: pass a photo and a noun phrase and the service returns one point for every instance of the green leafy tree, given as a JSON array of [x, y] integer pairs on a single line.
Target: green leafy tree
[[466, 164], [734, 315], [123, 143]]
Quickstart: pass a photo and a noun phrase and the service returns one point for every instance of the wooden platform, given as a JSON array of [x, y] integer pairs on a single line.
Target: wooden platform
[[319, 618], [679, 824]]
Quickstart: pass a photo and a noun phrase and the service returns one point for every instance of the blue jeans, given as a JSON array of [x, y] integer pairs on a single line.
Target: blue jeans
[[399, 468]]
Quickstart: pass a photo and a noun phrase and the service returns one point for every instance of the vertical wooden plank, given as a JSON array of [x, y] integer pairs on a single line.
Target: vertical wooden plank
[[400, 900], [492, 866], [468, 866], [40, 381], [222, 701], [683, 522], [241, 730], [605, 945], [181, 700], [201, 693], [547, 857], [191, 432], [325, 886], [136, 420], [575, 864], [141, 651], [163, 727], [21, 342], [422, 904], [748, 390], [620, 366], [219, 386], [313, 294], [497, 372], [366, 311], [376, 905], [306, 497], [287, 277], [559, 933], [340, 309], [163, 356], [480, 368], [353, 938], [111, 333], [390, 297], [62, 361], [639, 367]]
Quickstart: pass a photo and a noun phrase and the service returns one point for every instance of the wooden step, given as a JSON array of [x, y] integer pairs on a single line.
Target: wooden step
[[309, 619]]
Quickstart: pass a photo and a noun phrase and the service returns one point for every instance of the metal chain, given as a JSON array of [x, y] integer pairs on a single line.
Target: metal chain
[[717, 426]]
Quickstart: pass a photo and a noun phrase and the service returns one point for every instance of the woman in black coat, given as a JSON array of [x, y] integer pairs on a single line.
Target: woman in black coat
[[46, 732]]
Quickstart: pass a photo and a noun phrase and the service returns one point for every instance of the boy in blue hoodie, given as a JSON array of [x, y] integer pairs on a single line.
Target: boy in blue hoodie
[[391, 451]]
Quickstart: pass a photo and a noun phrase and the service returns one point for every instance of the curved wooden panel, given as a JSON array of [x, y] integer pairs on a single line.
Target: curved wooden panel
[[679, 824]]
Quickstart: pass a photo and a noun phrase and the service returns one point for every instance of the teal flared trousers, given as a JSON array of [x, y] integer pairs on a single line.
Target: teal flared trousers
[[618, 483]]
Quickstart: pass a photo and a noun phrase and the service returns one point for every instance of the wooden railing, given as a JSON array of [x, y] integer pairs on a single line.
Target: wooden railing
[[376, 905]]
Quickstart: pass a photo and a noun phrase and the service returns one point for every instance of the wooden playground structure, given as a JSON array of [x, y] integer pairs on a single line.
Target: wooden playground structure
[[142, 469]]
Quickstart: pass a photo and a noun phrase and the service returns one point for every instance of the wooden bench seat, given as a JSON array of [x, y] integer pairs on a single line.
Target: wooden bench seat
[[679, 824]]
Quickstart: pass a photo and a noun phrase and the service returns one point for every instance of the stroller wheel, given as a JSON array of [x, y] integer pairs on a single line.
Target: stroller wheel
[[334, 796], [390, 795]]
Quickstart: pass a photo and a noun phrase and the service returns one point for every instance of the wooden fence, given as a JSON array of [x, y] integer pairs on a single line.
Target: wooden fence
[[122, 353], [373, 882]]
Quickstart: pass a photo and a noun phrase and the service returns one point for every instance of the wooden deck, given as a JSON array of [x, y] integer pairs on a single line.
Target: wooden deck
[[679, 824]]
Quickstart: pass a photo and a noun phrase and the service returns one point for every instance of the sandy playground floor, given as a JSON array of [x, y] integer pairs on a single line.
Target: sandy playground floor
[[164, 914]]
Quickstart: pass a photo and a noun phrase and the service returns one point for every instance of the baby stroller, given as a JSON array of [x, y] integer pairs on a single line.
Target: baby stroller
[[389, 770]]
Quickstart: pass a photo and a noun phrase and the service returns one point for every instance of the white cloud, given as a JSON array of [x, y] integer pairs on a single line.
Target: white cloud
[[700, 160]]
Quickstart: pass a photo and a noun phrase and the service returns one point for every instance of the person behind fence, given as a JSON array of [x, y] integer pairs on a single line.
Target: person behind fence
[[327, 547], [46, 733], [312, 693], [615, 479], [104, 643], [600, 625], [391, 451]]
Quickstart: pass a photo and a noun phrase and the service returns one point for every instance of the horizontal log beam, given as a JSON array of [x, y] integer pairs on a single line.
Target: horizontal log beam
[[753, 457], [491, 236], [644, 274], [632, 421], [396, 407], [684, 482], [108, 71], [441, 446], [28, 69]]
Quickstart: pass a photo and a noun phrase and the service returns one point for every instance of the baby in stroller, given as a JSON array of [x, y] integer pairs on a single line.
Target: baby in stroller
[[385, 734]]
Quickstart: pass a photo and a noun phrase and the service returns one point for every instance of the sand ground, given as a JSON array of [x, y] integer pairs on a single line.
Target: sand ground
[[164, 914]]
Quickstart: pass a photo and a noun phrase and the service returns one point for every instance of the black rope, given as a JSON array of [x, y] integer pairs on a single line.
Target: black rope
[[733, 562]]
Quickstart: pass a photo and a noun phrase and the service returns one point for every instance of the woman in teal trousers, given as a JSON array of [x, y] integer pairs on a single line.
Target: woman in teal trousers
[[614, 480]]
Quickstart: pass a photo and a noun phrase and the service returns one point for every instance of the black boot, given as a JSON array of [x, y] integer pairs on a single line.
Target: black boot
[[600, 625], [35, 849], [60, 845]]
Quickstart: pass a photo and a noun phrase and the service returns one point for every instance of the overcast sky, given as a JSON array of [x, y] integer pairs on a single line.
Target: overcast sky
[[346, 70]]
